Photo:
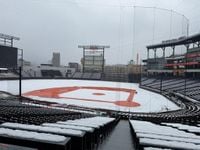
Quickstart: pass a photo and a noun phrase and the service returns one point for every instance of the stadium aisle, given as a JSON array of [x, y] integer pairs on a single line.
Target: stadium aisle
[[119, 139]]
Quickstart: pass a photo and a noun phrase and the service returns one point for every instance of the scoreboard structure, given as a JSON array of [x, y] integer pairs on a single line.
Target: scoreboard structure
[[8, 57], [8, 53], [93, 58]]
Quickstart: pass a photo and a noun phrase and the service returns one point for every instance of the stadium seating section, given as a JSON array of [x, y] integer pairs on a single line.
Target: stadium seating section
[[42, 127], [7, 74], [86, 76], [156, 136], [51, 73], [37, 124], [188, 87]]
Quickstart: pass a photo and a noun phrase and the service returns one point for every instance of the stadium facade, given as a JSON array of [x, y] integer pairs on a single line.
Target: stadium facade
[[185, 64]]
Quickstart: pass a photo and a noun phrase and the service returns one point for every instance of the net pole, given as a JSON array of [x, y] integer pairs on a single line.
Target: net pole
[[20, 82]]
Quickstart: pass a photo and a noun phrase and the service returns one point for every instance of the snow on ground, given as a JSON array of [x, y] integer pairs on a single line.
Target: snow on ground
[[149, 101]]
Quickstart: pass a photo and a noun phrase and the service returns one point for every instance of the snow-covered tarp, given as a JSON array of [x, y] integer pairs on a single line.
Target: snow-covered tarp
[[149, 101]]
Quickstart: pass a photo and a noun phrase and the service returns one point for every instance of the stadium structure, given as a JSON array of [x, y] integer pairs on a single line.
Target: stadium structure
[[99, 107]]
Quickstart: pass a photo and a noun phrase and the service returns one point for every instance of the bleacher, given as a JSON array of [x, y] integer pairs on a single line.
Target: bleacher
[[12, 110], [77, 75], [186, 87], [48, 128], [119, 77], [86, 76], [51, 73], [96, 76], [7, 74], [150, 135]]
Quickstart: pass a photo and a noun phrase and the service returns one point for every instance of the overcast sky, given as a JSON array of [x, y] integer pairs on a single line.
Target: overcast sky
[[47, 26]]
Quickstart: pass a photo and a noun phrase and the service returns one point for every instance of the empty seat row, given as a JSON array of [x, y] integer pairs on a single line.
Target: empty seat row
[[51, 73], [159, 136], [188, 87], [34, 139], [86, 75], [16, 111], [81, 135]]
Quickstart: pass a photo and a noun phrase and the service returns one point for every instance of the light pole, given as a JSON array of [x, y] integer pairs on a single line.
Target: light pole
[[20, 73]]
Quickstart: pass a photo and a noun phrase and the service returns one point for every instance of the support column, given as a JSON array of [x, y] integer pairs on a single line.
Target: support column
[[103, 62], [148, 54], [154, 53], [173, 53], [12, 42], [83, 60], [187, 47], [148, 59], [163, 52], [186, 61], [20, 82]]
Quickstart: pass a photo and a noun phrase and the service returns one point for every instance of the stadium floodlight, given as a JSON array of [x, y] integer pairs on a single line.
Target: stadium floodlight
[[9, 37]]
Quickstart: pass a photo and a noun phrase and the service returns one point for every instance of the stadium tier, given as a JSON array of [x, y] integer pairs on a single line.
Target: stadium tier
[[183, 64]]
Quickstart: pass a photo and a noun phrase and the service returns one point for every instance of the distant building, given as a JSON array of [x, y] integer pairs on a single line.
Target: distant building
[[74, 65], [56, 60], [22, 62]]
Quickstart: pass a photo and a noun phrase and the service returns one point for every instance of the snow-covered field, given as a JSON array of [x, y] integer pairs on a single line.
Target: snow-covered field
[[149, 101]]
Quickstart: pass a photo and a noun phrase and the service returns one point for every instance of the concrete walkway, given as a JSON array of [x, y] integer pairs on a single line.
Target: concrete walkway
[[119, 139]]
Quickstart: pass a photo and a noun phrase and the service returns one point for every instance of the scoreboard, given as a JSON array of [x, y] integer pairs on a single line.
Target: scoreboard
[[8, 57]]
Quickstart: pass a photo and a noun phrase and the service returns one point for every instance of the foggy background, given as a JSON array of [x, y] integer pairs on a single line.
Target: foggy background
[[47, 26]]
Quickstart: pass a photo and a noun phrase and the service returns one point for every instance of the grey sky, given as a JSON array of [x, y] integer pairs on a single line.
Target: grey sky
[[47, 26]]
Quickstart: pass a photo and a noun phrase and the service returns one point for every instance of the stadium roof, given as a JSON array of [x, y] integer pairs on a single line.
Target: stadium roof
[[174, 42]]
